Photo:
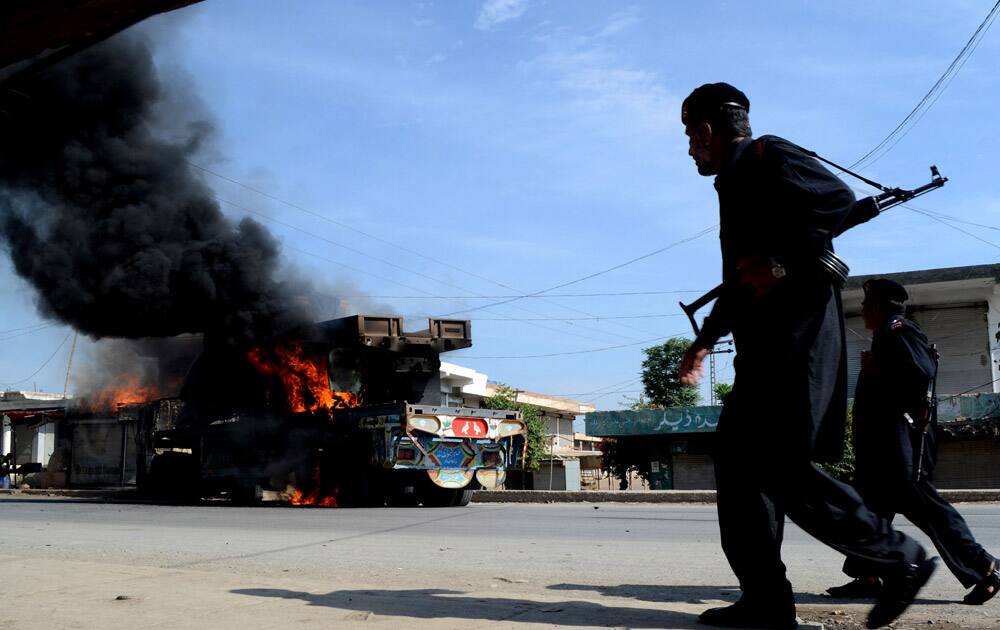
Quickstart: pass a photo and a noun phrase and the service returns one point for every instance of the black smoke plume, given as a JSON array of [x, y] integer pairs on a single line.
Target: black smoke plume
[[104, 216]]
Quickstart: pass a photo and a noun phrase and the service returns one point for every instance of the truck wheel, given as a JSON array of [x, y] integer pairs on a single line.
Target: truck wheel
[[433, 496], [173, 476], [247, 492], [463, 497]]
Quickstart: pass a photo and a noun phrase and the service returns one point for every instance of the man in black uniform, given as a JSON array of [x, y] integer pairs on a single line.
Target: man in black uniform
[[891, 410], [779, 210]]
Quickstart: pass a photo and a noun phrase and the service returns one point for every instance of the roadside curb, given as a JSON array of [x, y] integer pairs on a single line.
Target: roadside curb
[[501, 496], [668, 496]]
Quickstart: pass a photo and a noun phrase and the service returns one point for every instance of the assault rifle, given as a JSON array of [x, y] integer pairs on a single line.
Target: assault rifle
[[862, 211]]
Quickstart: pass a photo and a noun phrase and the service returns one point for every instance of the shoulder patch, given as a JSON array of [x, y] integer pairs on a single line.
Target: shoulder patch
[[896, 324], [758, 148]]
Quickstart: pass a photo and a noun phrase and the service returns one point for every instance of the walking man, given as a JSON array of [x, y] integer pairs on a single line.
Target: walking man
[[894, 428], [779, 210]]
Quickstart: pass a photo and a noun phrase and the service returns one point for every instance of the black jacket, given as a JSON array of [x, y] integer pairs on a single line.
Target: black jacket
[[791, 380], [897, 382]]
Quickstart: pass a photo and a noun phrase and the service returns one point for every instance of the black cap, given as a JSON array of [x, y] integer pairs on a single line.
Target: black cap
[[706, 101], [884, 290]]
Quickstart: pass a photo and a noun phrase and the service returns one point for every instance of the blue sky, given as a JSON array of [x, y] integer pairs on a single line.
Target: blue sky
[[526, 143]]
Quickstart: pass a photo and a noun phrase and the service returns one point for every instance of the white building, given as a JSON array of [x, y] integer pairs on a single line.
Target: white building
[[959, 310], [568, 460]]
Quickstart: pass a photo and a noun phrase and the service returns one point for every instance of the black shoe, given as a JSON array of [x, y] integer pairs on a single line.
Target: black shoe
[[861, 588], [898, 592], [778, 616], [986, 589]]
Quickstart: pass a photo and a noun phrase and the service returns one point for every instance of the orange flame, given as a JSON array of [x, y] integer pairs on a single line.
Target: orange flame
[[126, 389], [300, 498], [305, 378]]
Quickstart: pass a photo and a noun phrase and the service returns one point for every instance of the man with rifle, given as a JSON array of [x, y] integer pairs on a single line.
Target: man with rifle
[[779, 211], [895, 415]]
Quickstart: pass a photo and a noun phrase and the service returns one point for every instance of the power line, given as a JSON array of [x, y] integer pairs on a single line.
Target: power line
[[26, 332], [372, 236], [954, 227], [38, 325], [494, 297], [951, 218], [574, 352], [697, 235], [968, 391], [572, 319], [426, 296], [42, 367], [939, 85]]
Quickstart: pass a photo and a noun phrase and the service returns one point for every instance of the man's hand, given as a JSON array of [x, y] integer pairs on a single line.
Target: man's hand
[[692, 365], [757, 272], [867, 361]]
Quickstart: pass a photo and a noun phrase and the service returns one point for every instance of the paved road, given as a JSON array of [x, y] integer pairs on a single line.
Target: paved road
[[76, 564]]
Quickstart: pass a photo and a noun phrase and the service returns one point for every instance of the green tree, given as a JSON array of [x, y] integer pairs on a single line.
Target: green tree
[[721, 391], [621, 457], [844, 469], [506, 398], [661, 370]]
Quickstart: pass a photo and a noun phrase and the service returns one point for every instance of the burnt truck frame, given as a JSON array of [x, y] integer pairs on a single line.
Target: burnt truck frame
[[400, 447]]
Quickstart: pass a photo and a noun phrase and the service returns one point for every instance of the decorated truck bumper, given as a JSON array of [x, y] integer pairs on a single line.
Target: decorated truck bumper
[[453, 444]]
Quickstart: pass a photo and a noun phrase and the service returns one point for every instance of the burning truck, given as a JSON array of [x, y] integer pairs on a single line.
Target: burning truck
[[345, 412]]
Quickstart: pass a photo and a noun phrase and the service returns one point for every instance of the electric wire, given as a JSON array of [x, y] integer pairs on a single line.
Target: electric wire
[[380, 239], [493, 297], [573, 319], [677, 243], [42, 367], [391, 264], [938, 85], [7, 337], [296, 228], [574, 352]]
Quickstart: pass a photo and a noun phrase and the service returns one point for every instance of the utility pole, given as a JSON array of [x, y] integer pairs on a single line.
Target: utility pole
[[711, 368], [69, 364]]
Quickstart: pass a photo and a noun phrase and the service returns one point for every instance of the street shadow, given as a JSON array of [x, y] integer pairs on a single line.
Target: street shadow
[[667, 593], [443, 604]]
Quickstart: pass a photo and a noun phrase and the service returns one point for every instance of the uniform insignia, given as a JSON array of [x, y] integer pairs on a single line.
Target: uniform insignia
[[896, 324]]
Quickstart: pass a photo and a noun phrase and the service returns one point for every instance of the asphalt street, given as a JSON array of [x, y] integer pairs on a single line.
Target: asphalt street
[[79, 564]]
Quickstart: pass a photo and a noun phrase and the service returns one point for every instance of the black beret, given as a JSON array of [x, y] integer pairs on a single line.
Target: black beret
[[706, 101], [885, 290]]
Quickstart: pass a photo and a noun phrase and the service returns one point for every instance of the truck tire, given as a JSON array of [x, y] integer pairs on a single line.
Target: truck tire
[[247, 492], [463, 498], [173, 476], [433, 496]]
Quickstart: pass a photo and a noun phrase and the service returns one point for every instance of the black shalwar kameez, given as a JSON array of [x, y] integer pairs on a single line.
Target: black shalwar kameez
[[788, 404]]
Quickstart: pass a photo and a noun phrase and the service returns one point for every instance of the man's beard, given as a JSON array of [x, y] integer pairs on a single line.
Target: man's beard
[[704, 168]]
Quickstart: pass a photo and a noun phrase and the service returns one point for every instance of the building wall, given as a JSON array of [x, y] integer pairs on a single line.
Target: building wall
[[694, 472], [963, 336], [968, 464], [993, 327]]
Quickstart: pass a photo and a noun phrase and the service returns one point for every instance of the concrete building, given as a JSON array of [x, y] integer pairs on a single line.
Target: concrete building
[[31, 429], [571, 458], [565, 466], [958, 308]]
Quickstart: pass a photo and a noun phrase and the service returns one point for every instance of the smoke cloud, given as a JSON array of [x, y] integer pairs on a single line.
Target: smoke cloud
[[103, 215]]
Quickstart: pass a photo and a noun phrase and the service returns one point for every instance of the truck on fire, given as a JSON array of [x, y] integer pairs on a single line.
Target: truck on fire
[[347, 412]]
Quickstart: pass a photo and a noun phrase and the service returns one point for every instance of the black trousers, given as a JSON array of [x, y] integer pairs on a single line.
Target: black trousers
[[924, 507], [761, 478]]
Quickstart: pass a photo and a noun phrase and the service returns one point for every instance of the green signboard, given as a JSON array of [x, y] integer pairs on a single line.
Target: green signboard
[[974, 407], [671, 421]]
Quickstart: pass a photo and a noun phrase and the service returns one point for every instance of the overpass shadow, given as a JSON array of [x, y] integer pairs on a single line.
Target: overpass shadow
[[444, 604]]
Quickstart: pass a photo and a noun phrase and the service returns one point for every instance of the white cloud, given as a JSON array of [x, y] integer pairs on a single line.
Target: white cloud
[[495, 12], [436, 58], [620, 22]]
